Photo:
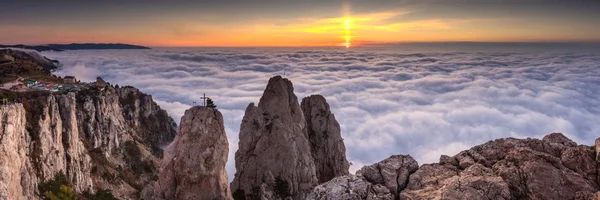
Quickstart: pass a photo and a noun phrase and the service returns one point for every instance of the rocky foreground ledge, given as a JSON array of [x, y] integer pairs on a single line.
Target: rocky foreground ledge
[[554, 167]]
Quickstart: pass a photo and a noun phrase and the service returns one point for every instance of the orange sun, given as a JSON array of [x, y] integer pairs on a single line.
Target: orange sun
[[347, 35]]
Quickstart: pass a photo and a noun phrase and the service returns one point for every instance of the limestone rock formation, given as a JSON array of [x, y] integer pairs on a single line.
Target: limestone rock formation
[[392, 172], [194, 164], [383, 180], [350, 187], [326, 143], [439, 181], [85, 135], [274, 158], [140, 110], [554, 167], [17, 177], [551, 168]]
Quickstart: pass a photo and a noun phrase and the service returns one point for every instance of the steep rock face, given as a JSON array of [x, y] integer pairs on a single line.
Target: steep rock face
[[17, 177], [84, 135], [125, 155], [597, 148], [141, 111], [55, 141], [194, 164], [326, 143], [274, 158], [551, 168]]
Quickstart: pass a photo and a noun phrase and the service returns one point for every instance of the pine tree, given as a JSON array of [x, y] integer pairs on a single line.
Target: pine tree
[[210, 103]]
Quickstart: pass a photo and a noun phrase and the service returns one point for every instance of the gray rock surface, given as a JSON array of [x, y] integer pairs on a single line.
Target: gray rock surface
[[554, 167], [194, 164], [326, 143], [273, 157], [392, 172], [551, 168], [437, 181], [85, 135], [350, 187]]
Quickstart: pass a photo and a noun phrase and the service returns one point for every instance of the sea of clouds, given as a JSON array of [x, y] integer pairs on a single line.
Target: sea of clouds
[[419, 100]]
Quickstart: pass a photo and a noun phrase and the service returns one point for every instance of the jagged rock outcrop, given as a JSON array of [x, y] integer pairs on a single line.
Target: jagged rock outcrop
[[443, 181], [554, 167], [383, 180], [326, 143], [194, 164], [274, 158], [551, 168], [86, 136], [141, 111], [350, 187], [392, 172]]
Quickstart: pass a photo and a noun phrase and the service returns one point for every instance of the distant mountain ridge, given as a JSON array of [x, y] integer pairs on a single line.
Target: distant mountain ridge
[[75, 46]]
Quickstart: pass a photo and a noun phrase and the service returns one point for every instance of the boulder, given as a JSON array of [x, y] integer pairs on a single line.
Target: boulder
[[350, 187]]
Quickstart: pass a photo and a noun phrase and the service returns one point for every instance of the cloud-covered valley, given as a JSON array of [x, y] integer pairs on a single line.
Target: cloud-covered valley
[[388, 100]]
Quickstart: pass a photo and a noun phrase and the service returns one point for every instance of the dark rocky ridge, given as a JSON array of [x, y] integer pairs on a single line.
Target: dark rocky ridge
[[75, 46], [22, 58]]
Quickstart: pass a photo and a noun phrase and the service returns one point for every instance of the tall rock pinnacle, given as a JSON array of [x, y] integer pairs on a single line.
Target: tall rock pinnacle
[[194, 164], [274, 159], [327, 145]]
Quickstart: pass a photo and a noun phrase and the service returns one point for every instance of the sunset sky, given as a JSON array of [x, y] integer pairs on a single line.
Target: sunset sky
[[297, 23]]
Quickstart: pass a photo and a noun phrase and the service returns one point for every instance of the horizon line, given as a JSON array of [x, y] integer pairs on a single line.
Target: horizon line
[[359, 44], [381, 44]]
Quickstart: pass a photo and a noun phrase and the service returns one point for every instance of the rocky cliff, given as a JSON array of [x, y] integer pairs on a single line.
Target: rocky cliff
[[99, 138], [194, 164], [551, 168], [285, 149], [326, 144], [274, 159]]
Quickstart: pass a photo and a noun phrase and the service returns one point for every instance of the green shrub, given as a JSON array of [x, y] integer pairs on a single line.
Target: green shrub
[[58, 188], [64, 193]]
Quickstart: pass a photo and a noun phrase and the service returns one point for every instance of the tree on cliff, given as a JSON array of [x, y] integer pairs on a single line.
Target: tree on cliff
[[210, 103]]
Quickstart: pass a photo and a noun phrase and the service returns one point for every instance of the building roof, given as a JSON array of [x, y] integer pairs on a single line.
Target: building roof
[[69, 77]]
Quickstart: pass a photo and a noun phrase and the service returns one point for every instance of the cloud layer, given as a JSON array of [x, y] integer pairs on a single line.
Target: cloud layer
[[424, 100]]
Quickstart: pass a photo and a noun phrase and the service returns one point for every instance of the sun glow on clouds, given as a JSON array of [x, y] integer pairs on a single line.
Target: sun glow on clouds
[[345, 31]]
